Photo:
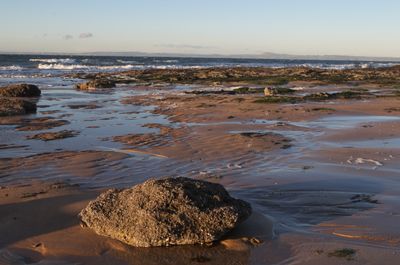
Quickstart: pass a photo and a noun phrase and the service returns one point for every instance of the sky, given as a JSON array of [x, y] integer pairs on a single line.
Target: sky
[[305, 27]]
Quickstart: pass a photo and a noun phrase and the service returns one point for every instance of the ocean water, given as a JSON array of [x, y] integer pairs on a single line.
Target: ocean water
[[14, 67]]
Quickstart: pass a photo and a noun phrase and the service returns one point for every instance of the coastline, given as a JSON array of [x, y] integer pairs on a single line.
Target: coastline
[[321, 173]]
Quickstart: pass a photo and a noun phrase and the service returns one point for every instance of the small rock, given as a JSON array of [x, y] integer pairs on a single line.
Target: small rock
[[96, 83], [255, 241], [37, 245], [51, 136], [166, 212], [40, 124], [20, 90], [269, 91]]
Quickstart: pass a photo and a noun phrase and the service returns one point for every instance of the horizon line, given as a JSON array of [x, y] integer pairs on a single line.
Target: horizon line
[[206, 55]]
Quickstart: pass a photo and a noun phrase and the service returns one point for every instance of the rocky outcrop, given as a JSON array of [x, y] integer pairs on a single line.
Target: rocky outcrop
[[20, 90], [96, 83], [40, 124], [13, 106], [51, 136], [10, 102], [165, 212]]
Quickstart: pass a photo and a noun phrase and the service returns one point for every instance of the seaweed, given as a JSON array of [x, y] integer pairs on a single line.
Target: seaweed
[[360, 89], [323, 109], [318, 96], [248, 90], [347, 253], [313, 97], [278, 99], [363, 198], [200, 259], [348, 94], [388, 77], [283, 90], [336, 79], [277, 80]]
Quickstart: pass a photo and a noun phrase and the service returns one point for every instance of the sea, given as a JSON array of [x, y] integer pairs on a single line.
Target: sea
[[31, 68]]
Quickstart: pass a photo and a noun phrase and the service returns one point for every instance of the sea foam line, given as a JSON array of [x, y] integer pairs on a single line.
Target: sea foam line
[[11, 68], [83, 67], [53, 60]]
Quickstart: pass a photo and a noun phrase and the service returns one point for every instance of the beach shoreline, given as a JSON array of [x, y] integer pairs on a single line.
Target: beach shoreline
[[317, 163]]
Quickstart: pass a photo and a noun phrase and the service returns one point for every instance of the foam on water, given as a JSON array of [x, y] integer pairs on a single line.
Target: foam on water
[[339, 66], [11, 68], [53, 60], [126, 61], [72, 67], [33, 65], [83, 67]]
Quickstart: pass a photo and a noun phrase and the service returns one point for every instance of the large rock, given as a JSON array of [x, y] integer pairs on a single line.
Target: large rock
[[96, 83], [20, 90], [13, 106], [165, 212]]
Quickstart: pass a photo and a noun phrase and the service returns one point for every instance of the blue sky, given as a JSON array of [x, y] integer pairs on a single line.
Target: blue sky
[[349, 27]]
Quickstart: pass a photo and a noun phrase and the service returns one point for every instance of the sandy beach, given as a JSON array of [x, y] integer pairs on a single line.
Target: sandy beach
[[318, 161]]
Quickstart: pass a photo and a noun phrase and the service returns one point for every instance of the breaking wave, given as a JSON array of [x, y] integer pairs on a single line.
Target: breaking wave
[[84, 67], [56, 65], [53, 60], [71, 67], [333, 66], [11, 68], [128, 62]]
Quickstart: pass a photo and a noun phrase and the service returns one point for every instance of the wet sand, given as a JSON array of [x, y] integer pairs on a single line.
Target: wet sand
[[40, 226], [321, 176]]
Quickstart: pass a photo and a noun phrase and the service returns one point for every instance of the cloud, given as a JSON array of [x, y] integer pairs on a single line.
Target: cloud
[[184, 46], [85, 35], [68, 37]]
